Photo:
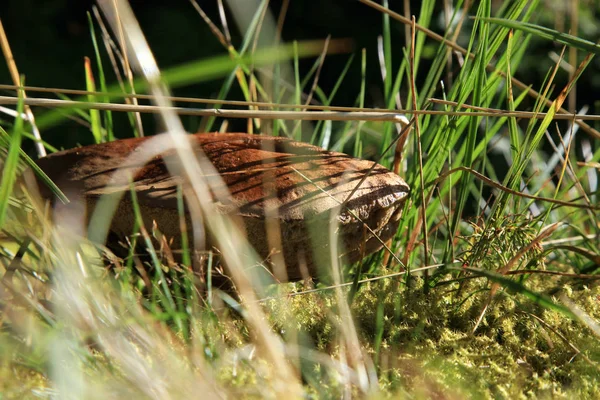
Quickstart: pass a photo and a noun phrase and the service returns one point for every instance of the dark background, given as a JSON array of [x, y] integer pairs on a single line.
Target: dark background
[[50, 38]]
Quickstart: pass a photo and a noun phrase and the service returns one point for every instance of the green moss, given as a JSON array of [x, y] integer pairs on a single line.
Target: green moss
[[428, 344], [22, 382]]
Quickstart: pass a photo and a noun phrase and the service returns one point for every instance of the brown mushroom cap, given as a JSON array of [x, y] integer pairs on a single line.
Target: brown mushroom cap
[[306, 184]]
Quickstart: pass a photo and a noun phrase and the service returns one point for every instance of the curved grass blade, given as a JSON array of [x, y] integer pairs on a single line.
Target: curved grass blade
[[206, 69], [519, 288], [547, 33], [11, 164]]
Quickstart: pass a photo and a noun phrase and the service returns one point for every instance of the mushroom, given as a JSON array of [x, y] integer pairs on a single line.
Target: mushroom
[[301, 183]]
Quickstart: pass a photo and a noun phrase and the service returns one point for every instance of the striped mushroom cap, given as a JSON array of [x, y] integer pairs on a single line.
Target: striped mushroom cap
[[267, 177]]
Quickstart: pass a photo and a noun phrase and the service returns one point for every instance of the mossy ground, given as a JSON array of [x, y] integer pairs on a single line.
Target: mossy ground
[[422, 344], [520, 350]]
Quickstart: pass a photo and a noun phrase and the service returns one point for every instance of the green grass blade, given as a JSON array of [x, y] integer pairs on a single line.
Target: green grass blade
[[11, 164], [201, 71], [90, 86], [548, 33], [516, 287], [108, 123], [185, 248], [5, 142], [361, 103], [471, 140], [387, 53]]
